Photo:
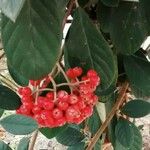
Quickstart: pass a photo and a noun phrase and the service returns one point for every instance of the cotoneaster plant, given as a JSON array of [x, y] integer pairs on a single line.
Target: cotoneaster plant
[[87, 88]]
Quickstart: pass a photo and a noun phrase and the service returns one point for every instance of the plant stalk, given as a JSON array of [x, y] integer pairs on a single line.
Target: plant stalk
[[109, 117], [33, 140]]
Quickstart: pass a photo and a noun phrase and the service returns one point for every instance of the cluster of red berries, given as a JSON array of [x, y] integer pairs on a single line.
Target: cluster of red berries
[[57, 109]]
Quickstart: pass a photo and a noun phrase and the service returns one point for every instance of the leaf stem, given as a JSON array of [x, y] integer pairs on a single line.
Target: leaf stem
[[33, 140], [118, 103]]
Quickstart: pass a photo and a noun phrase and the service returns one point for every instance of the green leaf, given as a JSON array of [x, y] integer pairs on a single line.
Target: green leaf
[[19, 124], [140, 75], [136, 108], [94, 122], [103, 16], [88, 51], [17, 77], [9, 100], [98, 145], [32, 44], [51, 132], [111, 3], [137, 140], [131, 27], [70, 136], [145, 7], [24, 143], [11, 8], [124, 133], [4, 146], [79, 146], [1, 112]]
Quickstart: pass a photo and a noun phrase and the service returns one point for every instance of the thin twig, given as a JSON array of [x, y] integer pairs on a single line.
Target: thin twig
[[2, 55], [33, 140], [70, 7], [118, 103]]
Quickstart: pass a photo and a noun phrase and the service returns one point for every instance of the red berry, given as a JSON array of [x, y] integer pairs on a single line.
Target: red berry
[[36, 109], [20, 91], [27, 98], [87, 111], [45, 114], [72, 113], [48, 105], [73, 99], [57, 113], [25, 110], [49, 122], [50, 95], [78, 120], [62, 95], [40, 100], [62, 105], [70, 73], [91, 73], [28, 105], [60, 122], [26, 91], [38, 118], [77, 71], [81, 104]]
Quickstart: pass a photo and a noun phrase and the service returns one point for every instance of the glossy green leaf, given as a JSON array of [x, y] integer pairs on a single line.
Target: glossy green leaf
[[32, 44], [136, 108], [79, 146], [94, 122], [17, 77], [9, 100], [111, 3], [86, 47], [11, 8], [4, 146], [70, 136], [23, 144], [128, 27], [137, 140], [51, 132], [140, 75], [19, 124], [124, 133]]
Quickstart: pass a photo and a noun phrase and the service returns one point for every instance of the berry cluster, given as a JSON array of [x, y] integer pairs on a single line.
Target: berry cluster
[[57, 108]]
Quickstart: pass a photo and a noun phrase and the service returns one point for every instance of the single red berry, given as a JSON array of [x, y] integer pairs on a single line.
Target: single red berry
[[73, 99], [72, 113], [77, 71], [48, 105], [40, 100], [62, 105], [28, 105], [45, 114], [57, 113], [60, 122], [91, 73], [20, 90], [95, 81], [38, 118], [26, 91], [70, 73], [62, 95], [81, 104], [25, 110], [78, 120], [36, 109], [87, 111], [50, 95]]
